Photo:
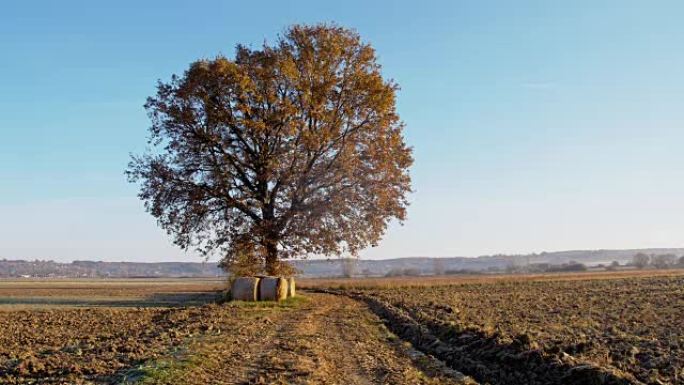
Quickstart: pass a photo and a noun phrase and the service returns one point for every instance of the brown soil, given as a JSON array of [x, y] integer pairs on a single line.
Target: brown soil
[[626, 330]]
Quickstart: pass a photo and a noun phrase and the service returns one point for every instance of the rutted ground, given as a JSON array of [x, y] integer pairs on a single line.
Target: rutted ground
[[325, 340], [321, 339], [618, 331]]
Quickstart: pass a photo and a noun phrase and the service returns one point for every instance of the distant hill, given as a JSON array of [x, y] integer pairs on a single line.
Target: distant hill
[[331, 267]]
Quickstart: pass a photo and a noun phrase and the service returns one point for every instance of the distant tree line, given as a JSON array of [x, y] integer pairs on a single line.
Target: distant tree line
[[407, 272], [658, 261], [536, 268]]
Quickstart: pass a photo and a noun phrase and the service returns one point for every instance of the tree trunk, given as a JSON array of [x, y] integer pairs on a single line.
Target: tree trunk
[[272, 258]]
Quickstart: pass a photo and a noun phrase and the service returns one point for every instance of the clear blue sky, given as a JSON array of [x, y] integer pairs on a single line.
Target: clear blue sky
[[537, 125]]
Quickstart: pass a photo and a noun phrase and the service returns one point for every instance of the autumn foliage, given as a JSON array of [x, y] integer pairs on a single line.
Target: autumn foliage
[[292, 149]]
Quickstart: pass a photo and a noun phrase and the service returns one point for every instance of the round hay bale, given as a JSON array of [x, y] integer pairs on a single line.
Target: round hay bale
[[272, 289], [245, 289], [290, 287]]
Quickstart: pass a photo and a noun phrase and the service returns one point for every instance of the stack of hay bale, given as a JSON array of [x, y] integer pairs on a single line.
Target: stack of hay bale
[[262, 288]]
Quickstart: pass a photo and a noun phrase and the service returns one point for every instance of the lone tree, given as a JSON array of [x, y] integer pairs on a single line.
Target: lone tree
[[292, 149], [641, 260]]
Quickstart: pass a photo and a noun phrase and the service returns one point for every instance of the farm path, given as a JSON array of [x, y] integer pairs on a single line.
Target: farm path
[[326, 340]]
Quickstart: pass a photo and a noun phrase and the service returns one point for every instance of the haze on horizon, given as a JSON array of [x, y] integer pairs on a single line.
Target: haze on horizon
[[536, 126]]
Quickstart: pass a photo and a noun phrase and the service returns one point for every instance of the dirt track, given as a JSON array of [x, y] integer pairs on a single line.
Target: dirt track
[[327, 340]]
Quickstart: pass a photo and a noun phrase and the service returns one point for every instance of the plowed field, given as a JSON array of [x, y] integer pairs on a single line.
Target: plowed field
[[626, 330]]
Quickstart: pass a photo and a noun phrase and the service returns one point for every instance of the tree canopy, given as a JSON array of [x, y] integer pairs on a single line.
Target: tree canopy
[[295, 148]]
